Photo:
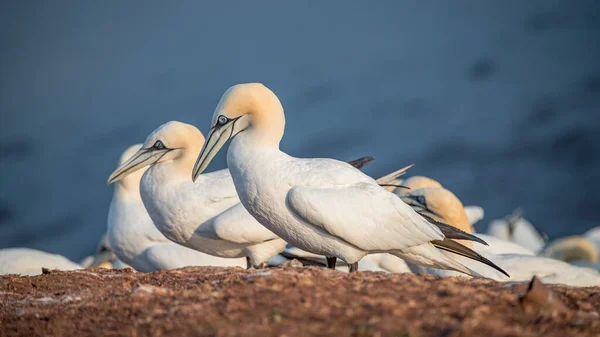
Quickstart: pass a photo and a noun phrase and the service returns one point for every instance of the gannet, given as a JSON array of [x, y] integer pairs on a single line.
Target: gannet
[[137, 242], [443, 205], [27, 261], [518, 230], [104, 257], [575, 248], [518, 261], [323, 206], [580, 250], [473, 213], [439, 204]]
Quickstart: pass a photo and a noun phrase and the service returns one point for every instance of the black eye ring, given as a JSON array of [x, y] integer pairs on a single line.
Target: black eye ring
[[222, 120], [421, 200], [159, 145]]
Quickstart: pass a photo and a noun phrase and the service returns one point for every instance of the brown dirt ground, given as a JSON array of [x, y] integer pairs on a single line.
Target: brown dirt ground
[[208, 301]]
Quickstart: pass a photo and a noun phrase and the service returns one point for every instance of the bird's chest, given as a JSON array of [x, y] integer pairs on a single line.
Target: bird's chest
[[257, 182]]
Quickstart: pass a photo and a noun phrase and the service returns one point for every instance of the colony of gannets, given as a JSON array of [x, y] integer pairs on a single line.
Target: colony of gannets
[[519, 262], [166, 213], [205, 216]]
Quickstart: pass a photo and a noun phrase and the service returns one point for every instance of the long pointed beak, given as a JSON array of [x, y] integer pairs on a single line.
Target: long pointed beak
[[140, 159], [217, 137]]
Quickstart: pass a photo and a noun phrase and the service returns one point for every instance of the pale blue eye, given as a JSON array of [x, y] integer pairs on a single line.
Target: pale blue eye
[[159, 145], [222, 120]]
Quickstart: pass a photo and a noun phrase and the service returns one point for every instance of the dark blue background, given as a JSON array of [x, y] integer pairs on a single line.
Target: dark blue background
[[499, 100]]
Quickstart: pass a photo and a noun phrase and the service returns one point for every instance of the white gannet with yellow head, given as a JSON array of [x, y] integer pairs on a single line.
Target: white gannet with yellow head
[[322, 206], [136, 241], [427, 196], [474, 213], [205, 216], [521, 263]]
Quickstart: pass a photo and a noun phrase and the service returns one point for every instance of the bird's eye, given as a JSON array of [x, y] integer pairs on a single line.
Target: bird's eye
[[421, 200], [159, 145], [223, 120]]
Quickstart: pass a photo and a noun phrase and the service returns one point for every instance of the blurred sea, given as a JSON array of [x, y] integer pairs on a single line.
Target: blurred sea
[[499, 100]]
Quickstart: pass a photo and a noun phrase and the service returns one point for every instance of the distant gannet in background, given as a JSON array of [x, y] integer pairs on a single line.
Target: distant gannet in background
[[136, 241], [519, 262], [579, 250], [322, 206], [518, 230], [572, 249], [27, 261], [104, 257], [439, 204], [474, 213], [594, 236]]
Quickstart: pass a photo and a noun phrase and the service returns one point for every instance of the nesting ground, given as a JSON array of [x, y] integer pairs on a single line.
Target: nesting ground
[[207, 301]]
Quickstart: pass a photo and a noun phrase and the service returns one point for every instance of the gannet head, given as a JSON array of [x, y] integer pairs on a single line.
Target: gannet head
[[440, 203], [132, 181], [104, 255], [171, 141], [417, 182], [248, 107], [572, 249]]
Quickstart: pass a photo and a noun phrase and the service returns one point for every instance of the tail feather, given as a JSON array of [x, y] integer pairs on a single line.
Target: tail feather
[[428, 255], [452, 232], [387, 179], [457, 248], [361, 162]]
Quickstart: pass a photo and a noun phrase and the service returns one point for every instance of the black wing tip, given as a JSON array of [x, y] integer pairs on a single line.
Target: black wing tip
[[452, 232], [493, 265], [465, 251]]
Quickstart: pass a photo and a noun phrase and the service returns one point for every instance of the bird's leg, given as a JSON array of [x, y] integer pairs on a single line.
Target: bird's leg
[[331, 262], [249, 263], [353, 267], [263, 265]]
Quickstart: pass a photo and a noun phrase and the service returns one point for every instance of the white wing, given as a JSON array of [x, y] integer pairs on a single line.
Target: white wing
[[364, 215], [237, 225]]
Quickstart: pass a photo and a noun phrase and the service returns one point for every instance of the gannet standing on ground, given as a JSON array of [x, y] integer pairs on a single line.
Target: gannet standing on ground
[[136, 241], [323, 206], [205, 216]]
